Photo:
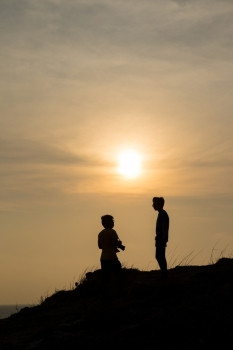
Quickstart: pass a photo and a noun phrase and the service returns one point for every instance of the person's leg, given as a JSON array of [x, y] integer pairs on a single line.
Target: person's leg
[[105, 276], [161, 259], [119, 276]]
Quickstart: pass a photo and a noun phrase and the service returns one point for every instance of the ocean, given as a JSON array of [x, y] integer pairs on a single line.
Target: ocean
[[8, 310]]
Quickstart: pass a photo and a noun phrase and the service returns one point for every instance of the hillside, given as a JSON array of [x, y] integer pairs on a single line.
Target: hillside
[[192, 309]]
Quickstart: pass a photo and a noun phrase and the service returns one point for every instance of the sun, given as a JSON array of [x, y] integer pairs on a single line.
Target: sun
[[129, 164]]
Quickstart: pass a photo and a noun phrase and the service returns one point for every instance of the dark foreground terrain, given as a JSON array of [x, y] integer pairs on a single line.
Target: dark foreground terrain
[[192, 309]]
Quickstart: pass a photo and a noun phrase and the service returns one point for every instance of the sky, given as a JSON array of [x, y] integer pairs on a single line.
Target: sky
[[82, 81]]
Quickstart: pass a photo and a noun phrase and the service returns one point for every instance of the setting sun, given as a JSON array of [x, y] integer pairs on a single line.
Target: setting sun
[[129, 163]]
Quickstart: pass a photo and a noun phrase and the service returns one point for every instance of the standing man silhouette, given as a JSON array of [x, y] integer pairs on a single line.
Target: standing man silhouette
[[161, 234]]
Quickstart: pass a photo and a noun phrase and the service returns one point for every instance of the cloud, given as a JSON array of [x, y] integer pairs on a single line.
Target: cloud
[[115, 43], [78, 69], [26, 151], [33, 170], [98, 30]]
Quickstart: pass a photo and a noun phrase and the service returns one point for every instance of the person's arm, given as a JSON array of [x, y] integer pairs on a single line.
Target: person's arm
[[99, 243], [118, 242], [165, 227]]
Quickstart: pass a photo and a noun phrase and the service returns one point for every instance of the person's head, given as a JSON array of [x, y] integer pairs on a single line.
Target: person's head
[[158, 203], [107, 221]]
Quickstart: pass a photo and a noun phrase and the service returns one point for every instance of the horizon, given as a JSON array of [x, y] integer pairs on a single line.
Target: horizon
[[86, 83]]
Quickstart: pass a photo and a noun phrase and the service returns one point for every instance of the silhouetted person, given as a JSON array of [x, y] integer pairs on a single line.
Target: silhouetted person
[[161, 234], [109, 242]]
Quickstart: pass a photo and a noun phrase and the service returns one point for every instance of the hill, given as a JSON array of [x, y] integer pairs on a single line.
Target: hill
[[192, 309]]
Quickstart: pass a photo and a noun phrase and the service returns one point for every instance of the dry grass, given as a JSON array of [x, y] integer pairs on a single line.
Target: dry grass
[[192, 309]]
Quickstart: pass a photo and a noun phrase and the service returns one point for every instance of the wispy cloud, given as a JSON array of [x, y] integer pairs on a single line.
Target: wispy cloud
[[26, 151], [32, 169], [89, 72]]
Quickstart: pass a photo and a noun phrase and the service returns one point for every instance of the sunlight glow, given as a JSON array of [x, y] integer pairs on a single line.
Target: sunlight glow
[[129, 164]]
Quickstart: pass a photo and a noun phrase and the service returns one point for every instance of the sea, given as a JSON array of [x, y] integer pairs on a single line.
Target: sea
[[8, 310]]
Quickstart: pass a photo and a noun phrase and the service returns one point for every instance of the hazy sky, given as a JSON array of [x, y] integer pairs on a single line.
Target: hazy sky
[[82, 80]]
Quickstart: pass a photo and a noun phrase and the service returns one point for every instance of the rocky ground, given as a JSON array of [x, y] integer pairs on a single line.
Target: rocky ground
[[192, 309]]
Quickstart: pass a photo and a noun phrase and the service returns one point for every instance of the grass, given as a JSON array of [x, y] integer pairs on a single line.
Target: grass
[[173, 262], [192, 309]]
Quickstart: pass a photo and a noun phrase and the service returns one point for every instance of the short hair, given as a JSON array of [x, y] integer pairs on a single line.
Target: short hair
[[159, 200], [107, 220]]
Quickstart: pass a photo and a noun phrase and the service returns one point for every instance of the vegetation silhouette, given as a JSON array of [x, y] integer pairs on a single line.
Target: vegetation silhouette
[[192, 309]]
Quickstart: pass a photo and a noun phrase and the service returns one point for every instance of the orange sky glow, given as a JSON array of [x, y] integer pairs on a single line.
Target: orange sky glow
[[82, 82]]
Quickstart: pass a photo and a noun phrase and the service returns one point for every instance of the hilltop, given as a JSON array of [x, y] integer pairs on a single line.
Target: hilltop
[[192, 309]]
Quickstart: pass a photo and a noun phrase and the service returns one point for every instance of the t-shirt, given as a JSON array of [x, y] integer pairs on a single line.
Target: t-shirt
[[162, 227], [108, 241]]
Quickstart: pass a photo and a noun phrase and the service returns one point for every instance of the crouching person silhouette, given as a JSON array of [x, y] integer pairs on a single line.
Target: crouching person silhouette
[[110, 244]]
